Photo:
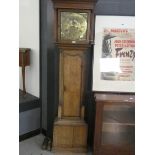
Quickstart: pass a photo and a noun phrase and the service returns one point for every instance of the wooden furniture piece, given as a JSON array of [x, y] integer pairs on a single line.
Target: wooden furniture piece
[[24, 60], [114, 124], [74, 35]]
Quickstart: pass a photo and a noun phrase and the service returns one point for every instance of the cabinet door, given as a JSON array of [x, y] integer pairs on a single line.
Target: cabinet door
[[72, 82], [118, 121]]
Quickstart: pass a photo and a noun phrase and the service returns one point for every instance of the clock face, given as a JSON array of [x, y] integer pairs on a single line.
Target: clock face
[[73, 26]]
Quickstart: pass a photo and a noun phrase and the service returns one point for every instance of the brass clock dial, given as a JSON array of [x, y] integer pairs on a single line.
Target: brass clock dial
[[73, 26]]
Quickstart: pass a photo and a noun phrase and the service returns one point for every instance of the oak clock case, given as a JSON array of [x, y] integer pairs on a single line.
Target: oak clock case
[[73, 37]]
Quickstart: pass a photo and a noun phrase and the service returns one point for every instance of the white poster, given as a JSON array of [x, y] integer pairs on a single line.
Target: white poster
[[118, 54], [114, 54]]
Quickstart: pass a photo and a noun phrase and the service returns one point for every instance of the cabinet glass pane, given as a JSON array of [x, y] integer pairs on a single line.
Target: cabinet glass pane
[[73, 26], [118, 134], [118, 124], [119, 114]]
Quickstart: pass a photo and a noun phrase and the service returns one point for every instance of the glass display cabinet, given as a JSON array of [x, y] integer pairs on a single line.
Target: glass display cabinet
[[114, 125]]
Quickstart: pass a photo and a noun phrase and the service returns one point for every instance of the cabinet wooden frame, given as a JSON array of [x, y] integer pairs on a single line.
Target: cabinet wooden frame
[[58, 25]]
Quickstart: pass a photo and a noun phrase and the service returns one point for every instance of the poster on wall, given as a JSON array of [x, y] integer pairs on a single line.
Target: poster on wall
[[118, 47], [114, 54]]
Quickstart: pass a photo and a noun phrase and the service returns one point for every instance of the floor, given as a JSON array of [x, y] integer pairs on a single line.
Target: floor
[[32, 146]]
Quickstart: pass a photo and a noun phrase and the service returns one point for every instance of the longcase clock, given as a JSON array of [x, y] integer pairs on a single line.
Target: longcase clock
[[74, 35]]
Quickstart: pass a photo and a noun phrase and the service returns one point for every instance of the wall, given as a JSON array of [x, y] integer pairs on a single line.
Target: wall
[[115, 7], [29, 38]]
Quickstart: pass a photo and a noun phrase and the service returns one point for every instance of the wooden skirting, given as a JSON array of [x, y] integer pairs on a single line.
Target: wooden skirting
[[29, 135]]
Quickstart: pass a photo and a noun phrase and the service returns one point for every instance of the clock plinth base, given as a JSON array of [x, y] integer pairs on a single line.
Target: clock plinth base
[[70, 136], [69, 150]]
